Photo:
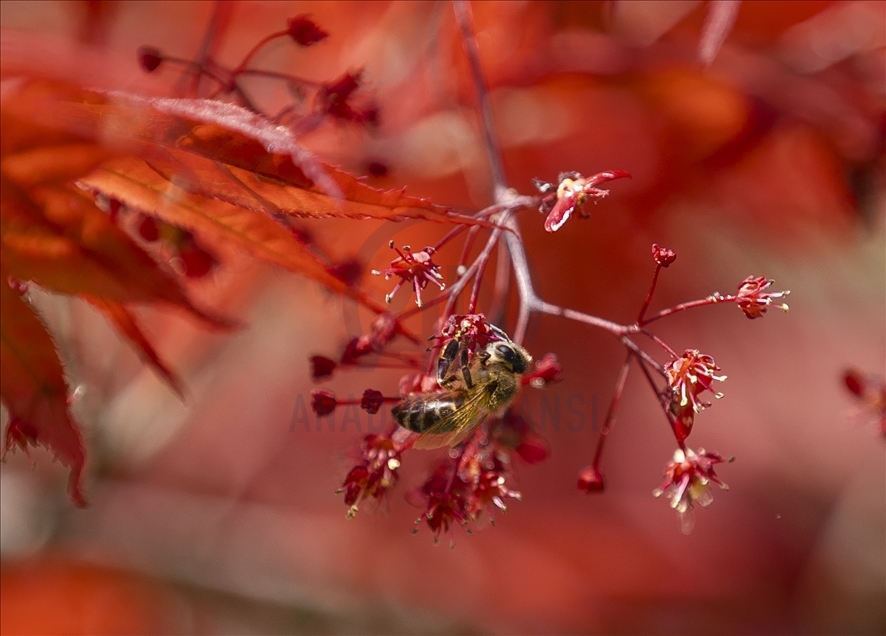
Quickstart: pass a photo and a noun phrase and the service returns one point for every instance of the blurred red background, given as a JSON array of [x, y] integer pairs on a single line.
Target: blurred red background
[[217, 515]]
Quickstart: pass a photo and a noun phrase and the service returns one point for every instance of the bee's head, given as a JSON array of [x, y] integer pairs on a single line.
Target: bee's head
[[512, 356]]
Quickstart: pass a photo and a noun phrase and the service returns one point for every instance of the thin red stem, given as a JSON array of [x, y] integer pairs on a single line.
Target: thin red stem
[[254, 49], [614, 328], [194, 67], [381, 365], [451, 234], [613, 409], [661, 343], [277, 75], [649, 295], [465, 23], [388, 400], [659, 393], [701, 302], [478, 279], [206, 46]]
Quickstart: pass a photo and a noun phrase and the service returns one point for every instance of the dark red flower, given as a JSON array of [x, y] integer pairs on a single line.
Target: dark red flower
[[689, 376], [463, 490], [336, 99], [356, 349], [149, 58], [687, 479], [546, 371], [417, 268], [382, 330], [148, 229], [371, 401], [323, 402], [752, 298], [114, 206], [486, 474], [514, 432], [572, 192], [532, 449], [443, 498], [855, 382], [472, 329], [197, 261], [662, 255], [322, 367], [304, 31], [590, 480], [377, 169], [375, 474]]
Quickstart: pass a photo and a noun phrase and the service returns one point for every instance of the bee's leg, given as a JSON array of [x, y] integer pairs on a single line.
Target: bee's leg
[[465, 368], [447, 356]]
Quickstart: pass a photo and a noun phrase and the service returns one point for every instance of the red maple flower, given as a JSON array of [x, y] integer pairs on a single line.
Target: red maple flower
[[443, 498], [323, 402], [304, 31], [375, 474], [487, 476], [417, 268], [514, 432], [371, 401], [662, 255], [547, 370], [689, 376], [462, 492], [149, 58], [590, 480], [336, 100], [572, 192], [752, 298], [322, 367], [687, 480]]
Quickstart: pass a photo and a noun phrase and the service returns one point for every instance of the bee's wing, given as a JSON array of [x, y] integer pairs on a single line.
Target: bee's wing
[[453, 428]]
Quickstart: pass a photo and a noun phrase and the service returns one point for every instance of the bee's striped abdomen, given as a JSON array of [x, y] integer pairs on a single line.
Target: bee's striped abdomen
[[419, 413]]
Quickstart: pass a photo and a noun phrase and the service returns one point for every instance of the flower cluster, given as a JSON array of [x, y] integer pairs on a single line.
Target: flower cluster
[[463, 491], [472, 328], [381, 332], [337, 99], [417, 268], [571, 193], [688, 376], [324, 402], [752, 298], [687, 480], [374, 474]]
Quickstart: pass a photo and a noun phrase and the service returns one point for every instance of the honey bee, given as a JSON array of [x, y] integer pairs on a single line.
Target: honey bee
[[487, 384]]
